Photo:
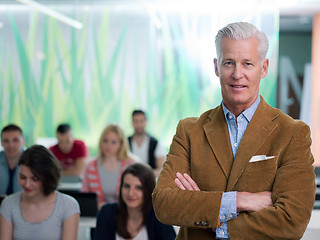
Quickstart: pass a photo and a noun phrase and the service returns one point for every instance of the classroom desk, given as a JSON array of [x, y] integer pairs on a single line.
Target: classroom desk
[[313, 229], [71, 183], [70, 186], [85, 224]]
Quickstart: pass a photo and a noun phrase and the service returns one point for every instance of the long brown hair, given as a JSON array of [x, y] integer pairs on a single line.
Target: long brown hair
[[147, 179]]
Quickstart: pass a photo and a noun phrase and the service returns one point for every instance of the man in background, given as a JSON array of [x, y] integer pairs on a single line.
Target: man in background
[[145, 146], [70, 152], [12, 141]]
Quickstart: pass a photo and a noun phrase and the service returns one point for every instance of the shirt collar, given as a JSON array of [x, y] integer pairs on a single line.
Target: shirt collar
[[248, 113]]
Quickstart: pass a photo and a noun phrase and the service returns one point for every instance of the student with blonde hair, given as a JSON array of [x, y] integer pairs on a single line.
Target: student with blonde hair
[[103, 174]]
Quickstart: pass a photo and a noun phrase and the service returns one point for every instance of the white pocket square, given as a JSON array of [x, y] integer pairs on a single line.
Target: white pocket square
[[258, 158]]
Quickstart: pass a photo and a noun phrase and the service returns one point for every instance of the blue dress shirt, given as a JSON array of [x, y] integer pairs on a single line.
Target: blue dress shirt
[[5, 175], [236, 127]]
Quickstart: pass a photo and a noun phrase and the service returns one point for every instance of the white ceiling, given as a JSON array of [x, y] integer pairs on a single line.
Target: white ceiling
[[295, 15]]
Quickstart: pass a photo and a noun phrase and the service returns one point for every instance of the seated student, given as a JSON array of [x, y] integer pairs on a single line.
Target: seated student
[[103, 174], [133, 218], [39, 212], [12, 141], [70, 152]]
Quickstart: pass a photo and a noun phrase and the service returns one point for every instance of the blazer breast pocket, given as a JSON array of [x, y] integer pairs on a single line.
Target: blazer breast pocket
[[263, 165], [259, 175]]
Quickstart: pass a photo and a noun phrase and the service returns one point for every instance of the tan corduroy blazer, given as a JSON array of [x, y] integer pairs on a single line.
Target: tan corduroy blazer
[[201, 148]]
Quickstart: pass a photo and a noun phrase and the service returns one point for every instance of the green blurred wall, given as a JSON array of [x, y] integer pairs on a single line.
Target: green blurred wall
[[52, 73]]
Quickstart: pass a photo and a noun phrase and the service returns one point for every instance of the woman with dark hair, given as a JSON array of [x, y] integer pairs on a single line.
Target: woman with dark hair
[[39, 212], [133, 217]]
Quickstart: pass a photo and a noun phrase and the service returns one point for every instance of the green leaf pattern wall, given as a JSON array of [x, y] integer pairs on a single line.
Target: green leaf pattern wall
[[52, 73]]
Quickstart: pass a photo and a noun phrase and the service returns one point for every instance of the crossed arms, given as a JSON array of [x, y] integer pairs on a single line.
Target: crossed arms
[[246, 202]]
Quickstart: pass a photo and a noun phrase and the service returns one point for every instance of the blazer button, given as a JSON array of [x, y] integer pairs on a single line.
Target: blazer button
[[197, 224], [204, 223]]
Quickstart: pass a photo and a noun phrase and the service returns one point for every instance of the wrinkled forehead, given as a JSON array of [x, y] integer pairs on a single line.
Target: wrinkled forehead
[[242, 48]]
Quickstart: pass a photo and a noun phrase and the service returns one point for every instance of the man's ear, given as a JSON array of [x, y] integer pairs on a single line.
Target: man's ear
[[216, 69], [265, 68]]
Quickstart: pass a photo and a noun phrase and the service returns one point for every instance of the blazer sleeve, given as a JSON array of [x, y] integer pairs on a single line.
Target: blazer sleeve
[[195, 209], [293, 194]]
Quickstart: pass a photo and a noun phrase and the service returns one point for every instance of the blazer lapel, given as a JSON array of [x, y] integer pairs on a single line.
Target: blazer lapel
[[216, 131], [257, 132]]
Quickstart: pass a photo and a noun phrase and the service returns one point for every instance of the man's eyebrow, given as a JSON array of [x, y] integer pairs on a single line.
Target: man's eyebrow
[[227, 59]]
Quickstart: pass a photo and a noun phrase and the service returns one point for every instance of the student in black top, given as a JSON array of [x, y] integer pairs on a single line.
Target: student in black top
[[133, 217]]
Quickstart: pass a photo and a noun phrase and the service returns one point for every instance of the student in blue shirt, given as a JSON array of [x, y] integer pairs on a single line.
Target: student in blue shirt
[[12, 141]]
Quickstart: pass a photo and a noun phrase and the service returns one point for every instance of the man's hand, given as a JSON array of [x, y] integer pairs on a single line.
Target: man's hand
[[253, 202], [185, 182]]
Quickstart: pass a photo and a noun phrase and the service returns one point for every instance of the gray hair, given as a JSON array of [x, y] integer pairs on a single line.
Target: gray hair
[[239, 31]]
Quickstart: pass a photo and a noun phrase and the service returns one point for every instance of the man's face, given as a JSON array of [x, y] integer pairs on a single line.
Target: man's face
[[65, 141], [12, 142], [139, 123], [240, 72]]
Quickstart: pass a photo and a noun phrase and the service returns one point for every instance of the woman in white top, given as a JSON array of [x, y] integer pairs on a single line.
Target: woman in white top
[[39, 212]]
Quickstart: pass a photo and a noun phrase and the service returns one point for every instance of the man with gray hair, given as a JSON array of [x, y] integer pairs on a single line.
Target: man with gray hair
[[242, 170]]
